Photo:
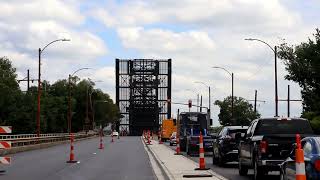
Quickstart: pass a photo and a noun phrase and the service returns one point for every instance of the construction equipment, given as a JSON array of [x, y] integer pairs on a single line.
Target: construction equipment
[[167, 128]]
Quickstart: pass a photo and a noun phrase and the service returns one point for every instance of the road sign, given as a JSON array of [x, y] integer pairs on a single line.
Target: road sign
[[5, 160], [5, 144], [5, 129]]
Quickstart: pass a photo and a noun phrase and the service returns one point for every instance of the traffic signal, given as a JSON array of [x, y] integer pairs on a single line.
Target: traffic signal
[[190, 103]]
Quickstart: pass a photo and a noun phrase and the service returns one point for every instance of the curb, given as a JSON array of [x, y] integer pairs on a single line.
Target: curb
[[159, 163], [15, 150]]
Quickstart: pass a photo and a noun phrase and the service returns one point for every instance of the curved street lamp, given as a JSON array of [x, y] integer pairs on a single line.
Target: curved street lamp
[[69, 99], [39, 82], [275, 71], [199, 82], [232, 96]]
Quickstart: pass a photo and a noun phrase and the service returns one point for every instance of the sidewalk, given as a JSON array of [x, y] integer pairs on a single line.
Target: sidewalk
[[177, 166]]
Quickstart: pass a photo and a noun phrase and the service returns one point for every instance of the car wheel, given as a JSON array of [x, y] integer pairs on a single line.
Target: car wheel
[[243, 171], [258, 172], [170, 144], [214, 159], [188, 151], [221, 160]]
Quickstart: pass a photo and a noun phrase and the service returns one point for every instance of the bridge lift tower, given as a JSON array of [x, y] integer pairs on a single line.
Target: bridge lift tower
[[143, 87]]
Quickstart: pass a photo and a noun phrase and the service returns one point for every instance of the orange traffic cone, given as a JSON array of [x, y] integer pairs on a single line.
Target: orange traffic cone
[[178, 147], [160, 138], [300, 166], [149, 142], [71, 157], [101, 142], [112, 138], [202, 164]]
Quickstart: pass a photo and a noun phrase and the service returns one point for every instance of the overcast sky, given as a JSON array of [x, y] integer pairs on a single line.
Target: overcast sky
[[195, 34]]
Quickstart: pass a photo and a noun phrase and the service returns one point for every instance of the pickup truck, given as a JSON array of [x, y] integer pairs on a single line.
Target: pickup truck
[[267, 143]]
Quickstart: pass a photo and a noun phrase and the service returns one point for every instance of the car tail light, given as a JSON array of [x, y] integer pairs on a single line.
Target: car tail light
[[263, 146], [317, 165]]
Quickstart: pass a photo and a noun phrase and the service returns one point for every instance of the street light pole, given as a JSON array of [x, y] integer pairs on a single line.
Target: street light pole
[[39, 83], [275, 72], [69, 100], [209, 106], [232, 95], [232, 98]]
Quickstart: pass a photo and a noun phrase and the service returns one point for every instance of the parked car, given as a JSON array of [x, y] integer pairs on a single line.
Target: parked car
[[225, 147], [173, 138], [268, 142], [311, 149]]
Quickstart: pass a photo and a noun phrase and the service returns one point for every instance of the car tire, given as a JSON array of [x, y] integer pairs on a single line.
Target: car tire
[[188, 151], [171, 144], [221, 160], [214, 159], [258, 171], [243, 171]]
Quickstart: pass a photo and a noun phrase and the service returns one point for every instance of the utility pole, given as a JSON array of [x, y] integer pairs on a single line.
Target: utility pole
[[27, 79], [201, 104], [69, 106], [276, 80], [39, 94], [232, 100], [209, 111], [255, 101], [87, 110], [288, 100], [197, 102], [288, 110]]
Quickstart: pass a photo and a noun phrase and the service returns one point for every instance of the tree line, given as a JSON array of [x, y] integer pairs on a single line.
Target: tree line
[[18, 108]]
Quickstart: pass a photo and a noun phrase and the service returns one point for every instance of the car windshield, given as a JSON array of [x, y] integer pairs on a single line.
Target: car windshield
[[273, 126]]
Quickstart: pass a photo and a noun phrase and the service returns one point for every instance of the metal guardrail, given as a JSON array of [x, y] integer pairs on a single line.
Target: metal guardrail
[[32, 139]]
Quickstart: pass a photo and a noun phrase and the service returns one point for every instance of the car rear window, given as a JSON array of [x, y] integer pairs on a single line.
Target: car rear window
[[273, 126], [233, 132]]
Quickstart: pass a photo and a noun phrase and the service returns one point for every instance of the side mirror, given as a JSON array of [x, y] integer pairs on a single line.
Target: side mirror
[[175, 122]]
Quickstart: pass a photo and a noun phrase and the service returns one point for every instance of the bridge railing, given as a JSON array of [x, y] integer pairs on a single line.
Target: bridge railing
[[32, 139]]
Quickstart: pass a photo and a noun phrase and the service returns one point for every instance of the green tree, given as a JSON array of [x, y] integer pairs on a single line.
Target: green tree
[[243, 111], [303, 65], [9, 90]]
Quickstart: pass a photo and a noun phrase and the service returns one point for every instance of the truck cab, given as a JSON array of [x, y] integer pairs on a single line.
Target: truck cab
[[191, 124]]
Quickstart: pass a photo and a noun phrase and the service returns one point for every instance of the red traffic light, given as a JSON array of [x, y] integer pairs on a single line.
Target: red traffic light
[[190, 103]]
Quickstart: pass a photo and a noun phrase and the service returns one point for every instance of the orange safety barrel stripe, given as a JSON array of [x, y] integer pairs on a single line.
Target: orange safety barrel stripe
[[299, 156]]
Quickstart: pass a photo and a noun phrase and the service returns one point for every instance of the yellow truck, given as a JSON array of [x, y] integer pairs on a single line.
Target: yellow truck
[[167, 128]]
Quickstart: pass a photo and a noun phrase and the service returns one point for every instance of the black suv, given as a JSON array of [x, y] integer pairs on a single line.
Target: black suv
[[268, 142], [225, 147]]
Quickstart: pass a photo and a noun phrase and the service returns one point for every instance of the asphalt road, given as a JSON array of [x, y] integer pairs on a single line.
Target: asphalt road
[[230, 170], [124, 159]]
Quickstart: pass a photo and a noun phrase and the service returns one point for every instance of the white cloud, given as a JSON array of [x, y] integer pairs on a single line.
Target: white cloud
[[26, 26], [205, 33]]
